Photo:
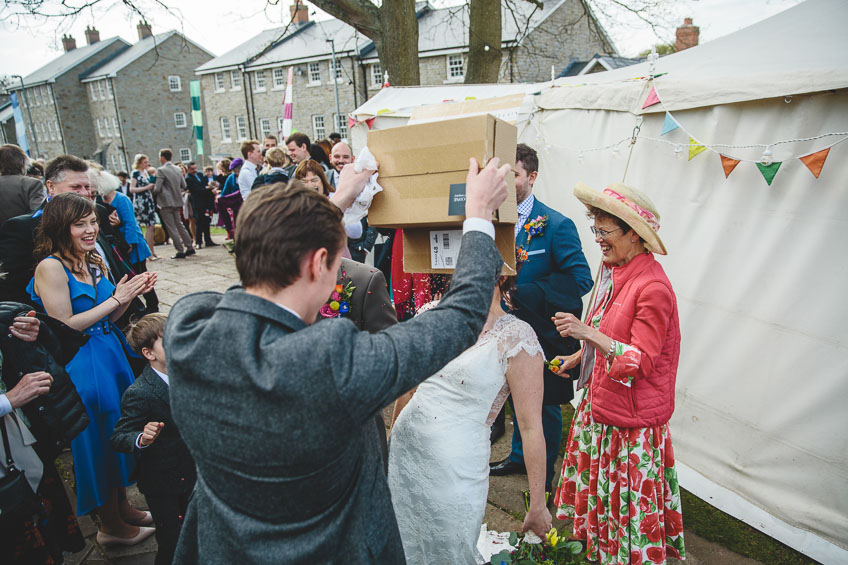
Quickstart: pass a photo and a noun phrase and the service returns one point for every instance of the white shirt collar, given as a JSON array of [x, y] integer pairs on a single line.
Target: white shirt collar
[[289, 310], [163, 376]]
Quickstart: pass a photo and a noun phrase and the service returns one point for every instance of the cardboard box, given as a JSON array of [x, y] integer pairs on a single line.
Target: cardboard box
[[419, 163], [432, 250]]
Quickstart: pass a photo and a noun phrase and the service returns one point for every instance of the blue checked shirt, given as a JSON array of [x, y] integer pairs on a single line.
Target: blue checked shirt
[[524, 209]]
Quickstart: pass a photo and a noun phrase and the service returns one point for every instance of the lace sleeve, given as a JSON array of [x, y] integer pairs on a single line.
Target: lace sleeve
[[517, 336]]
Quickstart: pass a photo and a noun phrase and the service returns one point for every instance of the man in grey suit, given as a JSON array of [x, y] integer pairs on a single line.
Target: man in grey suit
[[168, 191], [278, 412], [19, 194]]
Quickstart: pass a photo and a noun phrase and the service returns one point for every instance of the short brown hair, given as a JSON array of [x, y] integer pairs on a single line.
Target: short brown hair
[[146, 331], [278, 226], [528, 158], [13, 160], [247, 147], [300, 139], [276, 157], [314, 167], [56, 168], [166, 153]]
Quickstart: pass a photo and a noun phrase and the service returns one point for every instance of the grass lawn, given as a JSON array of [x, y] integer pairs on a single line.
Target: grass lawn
[[714, 525]]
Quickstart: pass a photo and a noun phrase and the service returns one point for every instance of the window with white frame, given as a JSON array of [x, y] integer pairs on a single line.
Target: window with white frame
[[123, 162], [44, 90], [37, 133], [265, 127], [33, 93], [280, 127], [44, 130], [219, 82], [241, 128], [39, 95], [180, 119], [93, 90], [260, 81], [341, 124], [376, 75], [58, 130], [114, 160], [185, 155], [101, 88], [174, 83], [109, 90], [100, 127], [314, 73], [50, 93], [279, 78], [115, 126], [107, 127], [456, 67], [318, 126], [338, 69], [225, 129], [50, 131], [235, 80]]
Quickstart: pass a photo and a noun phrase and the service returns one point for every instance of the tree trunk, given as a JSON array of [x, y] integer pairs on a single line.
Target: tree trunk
[[484, 42], [398, 42]]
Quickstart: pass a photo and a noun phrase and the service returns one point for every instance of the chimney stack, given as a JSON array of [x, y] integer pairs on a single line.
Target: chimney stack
[[144, 30], [299, 12], [91, 35], [687, 35], [69, 43]]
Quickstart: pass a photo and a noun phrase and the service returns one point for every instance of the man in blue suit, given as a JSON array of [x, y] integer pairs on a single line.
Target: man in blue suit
[[553, 277]]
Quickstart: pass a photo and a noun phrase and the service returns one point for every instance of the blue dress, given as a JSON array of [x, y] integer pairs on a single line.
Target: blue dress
[[129, 228], [101, 373]]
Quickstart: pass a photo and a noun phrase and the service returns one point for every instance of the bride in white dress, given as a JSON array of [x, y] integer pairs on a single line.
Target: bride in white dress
[[439, 446]]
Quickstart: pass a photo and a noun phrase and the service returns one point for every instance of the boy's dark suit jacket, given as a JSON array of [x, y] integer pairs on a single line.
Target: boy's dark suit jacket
[[166, 466], [275, 413]]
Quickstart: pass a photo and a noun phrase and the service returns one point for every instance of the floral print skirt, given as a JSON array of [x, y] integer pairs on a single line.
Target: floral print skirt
[[620, 487]]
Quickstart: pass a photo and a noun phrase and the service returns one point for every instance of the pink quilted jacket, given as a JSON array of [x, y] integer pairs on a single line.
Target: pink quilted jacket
[[642, 313]]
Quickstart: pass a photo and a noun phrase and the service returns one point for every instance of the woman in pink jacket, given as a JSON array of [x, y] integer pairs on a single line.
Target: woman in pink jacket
[[618, 481]]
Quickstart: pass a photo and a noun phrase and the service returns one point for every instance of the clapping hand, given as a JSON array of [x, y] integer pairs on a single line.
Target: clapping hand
[[150, 433], [114, 220], [26, 327], [127, 288]]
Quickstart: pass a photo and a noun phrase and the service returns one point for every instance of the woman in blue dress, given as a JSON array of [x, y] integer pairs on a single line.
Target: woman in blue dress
[[71, 284]]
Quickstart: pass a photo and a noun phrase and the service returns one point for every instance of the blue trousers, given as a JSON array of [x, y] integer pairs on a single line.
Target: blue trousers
[[552, 429]]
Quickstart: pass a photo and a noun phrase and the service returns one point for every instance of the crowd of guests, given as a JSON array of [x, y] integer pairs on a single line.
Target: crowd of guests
[[74, 243]]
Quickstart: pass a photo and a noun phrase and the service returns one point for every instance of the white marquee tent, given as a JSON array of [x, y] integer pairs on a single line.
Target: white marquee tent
[[760, 427]]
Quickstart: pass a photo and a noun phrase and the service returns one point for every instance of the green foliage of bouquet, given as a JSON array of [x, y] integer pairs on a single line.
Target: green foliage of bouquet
[[553, 550]]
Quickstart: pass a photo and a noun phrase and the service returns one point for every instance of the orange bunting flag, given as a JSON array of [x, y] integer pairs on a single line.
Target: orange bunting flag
[[815, 161], [651, 99], [728, 164]]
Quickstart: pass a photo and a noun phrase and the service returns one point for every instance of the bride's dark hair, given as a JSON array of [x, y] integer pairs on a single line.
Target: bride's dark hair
[[506, 284]]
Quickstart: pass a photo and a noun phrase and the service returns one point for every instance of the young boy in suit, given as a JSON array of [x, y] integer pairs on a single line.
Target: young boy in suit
[[165, 471]]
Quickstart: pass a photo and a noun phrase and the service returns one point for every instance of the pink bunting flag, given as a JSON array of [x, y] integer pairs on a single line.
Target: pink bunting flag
[[370, 122], [651, 99], [351, 121]]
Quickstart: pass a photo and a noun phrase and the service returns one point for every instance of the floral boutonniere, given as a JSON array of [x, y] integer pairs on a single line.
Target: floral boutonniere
[[521, 255], [535, 227], [339, 303]]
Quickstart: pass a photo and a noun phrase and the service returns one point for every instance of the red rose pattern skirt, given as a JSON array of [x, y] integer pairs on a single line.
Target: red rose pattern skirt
[[620, 487]]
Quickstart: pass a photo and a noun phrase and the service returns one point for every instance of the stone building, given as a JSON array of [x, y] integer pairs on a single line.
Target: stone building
[[139, 100], [53, 101], [243, 89]]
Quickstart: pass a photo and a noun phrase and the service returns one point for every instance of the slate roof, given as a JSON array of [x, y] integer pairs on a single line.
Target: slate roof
[[607, 62], [250, 49], [67, 61]]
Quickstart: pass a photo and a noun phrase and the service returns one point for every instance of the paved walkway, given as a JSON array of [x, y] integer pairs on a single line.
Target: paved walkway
[[214, 269]]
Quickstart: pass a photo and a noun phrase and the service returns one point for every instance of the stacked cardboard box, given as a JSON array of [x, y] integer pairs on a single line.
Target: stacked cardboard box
[[423, 168]]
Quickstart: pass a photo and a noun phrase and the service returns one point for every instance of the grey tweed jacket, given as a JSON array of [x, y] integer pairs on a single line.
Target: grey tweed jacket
[[278, 416]]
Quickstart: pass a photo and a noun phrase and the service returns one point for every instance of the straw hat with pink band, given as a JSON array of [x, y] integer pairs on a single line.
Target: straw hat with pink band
[[630, 205]]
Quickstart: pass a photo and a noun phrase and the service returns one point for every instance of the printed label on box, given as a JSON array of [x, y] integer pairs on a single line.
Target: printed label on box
[[456, 206], [444, 248]]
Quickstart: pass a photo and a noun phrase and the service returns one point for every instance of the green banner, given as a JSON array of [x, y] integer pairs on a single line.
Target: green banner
[[197, 116]]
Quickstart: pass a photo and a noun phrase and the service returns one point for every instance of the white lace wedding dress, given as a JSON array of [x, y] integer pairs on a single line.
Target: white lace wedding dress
[[439, 448]]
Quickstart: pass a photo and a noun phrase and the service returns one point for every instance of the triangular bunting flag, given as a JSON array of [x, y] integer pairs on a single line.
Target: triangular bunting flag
[[370, 122], [695, 148], [769, 171], [728, 164], [669, 124], [351, 121], [651, 99], [815, 161]]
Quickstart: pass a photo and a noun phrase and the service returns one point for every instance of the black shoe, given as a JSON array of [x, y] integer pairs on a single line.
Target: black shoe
[[212, 244], [498, 430], [179, 256], [506, 467], [190, 252]]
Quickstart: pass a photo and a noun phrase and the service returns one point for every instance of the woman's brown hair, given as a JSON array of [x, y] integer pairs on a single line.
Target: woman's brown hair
[[54, 233], [312, 166]]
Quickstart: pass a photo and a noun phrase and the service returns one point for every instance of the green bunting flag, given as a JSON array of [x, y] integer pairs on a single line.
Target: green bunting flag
[[768, 171], [197, 116]]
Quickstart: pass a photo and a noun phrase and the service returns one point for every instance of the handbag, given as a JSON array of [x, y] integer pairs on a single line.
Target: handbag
[[16, 495]]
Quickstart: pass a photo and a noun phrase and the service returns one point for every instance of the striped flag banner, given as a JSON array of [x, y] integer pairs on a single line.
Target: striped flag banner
[[197, 116], [287, 109]]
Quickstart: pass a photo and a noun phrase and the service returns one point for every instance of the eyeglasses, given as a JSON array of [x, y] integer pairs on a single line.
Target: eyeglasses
[[602, 233]]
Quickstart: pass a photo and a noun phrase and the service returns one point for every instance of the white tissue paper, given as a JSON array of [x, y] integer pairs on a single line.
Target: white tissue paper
[[491, 542], [359, 208]]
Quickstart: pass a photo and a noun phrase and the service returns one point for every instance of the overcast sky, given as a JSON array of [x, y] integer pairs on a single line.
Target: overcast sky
[[218, 25]]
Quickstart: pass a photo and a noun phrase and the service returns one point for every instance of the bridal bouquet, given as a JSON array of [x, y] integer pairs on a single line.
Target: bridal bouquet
[[530, 550]]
